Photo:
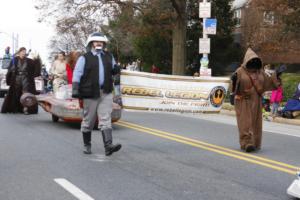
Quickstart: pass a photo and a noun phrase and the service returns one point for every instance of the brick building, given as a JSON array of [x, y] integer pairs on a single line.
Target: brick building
[[263, 31]]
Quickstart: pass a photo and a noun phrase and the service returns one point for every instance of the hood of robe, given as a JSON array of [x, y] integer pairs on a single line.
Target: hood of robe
[[251, 60]]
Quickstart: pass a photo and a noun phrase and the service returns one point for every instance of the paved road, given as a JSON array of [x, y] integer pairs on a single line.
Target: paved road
[[164, 157]]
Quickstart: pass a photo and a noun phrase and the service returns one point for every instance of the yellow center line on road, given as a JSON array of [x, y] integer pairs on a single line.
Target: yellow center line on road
[[283, 167], [216, 146]]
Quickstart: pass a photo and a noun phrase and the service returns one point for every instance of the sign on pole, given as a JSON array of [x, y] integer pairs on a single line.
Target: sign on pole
[[210, 26], [204, 45], [205, 10]]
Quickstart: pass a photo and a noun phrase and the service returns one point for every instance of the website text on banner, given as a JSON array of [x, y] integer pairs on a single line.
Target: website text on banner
[[166, 93]]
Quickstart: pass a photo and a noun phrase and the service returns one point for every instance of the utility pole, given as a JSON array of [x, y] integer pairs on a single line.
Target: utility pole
[[17, 41], [205, 55], [204, 42], [13, 43]]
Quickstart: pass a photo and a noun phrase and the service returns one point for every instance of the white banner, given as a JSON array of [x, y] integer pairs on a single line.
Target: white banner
[[168, 93]]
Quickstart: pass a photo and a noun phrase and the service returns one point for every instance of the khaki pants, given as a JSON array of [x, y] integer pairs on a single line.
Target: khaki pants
[[100, 107]]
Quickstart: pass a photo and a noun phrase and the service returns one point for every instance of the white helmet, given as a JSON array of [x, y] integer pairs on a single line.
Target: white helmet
[[100, 37]]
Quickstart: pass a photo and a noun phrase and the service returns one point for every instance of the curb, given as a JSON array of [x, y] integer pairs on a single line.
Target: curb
[[286, 121], [270, 119], [227, 112]]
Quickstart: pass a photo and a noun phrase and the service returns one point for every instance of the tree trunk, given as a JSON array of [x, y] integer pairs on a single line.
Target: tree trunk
[[179, 42]]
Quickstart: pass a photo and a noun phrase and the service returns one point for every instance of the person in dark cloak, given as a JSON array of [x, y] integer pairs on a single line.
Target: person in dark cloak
[[20, 78]]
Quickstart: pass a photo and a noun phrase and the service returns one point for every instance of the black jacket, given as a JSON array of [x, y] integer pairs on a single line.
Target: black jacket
[[89, 86]]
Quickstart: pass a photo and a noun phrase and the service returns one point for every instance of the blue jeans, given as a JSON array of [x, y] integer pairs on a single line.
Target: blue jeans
[[275, 107]]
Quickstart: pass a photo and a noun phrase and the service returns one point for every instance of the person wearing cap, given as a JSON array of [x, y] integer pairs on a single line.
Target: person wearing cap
[[20, 78], [249, 82], [93, 83]]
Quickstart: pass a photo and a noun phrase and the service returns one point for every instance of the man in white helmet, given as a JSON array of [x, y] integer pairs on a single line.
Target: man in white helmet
[[93, 83]]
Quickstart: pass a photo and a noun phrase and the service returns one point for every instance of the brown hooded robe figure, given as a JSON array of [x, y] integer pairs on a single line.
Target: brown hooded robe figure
[[249, 83], [20, 78]]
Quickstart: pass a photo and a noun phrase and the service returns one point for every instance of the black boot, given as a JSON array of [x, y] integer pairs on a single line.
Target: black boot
[[249, 148], [87, 142], [107, 140]]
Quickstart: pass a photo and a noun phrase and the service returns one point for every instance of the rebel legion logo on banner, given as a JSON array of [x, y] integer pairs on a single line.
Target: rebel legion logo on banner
[[167, 93]]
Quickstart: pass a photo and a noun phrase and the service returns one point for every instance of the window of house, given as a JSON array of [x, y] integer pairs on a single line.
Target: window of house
[[237, 16], [269, 17]]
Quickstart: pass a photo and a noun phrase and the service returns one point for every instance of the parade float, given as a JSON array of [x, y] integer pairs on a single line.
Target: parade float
[[62, 106]]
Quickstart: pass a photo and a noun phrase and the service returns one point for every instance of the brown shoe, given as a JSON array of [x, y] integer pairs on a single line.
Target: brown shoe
[[249, 148]]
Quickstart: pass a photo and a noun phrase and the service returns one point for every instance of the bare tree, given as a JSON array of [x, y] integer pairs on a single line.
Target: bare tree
[[265, 29], [78, 18]]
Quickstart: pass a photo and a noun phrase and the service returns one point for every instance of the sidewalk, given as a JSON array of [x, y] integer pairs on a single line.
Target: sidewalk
[[228, 117], [228, 109]]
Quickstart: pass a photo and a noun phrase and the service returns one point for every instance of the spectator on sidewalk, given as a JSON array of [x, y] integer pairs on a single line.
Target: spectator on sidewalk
[[292, 107], [267, 95], [154, 69], [277, 94]]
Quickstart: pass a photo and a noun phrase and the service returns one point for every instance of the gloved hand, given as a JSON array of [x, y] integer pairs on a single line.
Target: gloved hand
[[118, 100], [75, 90], [233, 87], [231, 98], [116, 69]]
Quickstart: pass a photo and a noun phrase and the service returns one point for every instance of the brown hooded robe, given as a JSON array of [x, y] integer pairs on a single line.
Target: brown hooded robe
[[248, 100]]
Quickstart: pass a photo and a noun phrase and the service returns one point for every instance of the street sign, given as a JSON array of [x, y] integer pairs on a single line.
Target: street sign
[[204, 61], [205, 10], [210, 26], [205, 71], [204, 45]]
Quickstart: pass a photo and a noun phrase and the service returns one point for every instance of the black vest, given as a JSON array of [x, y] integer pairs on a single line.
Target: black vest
[[89, 83]]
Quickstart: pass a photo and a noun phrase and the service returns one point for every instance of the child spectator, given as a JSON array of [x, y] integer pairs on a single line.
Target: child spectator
[[277, 95]]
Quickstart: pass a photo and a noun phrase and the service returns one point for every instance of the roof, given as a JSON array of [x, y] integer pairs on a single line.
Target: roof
[[236, 4]]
